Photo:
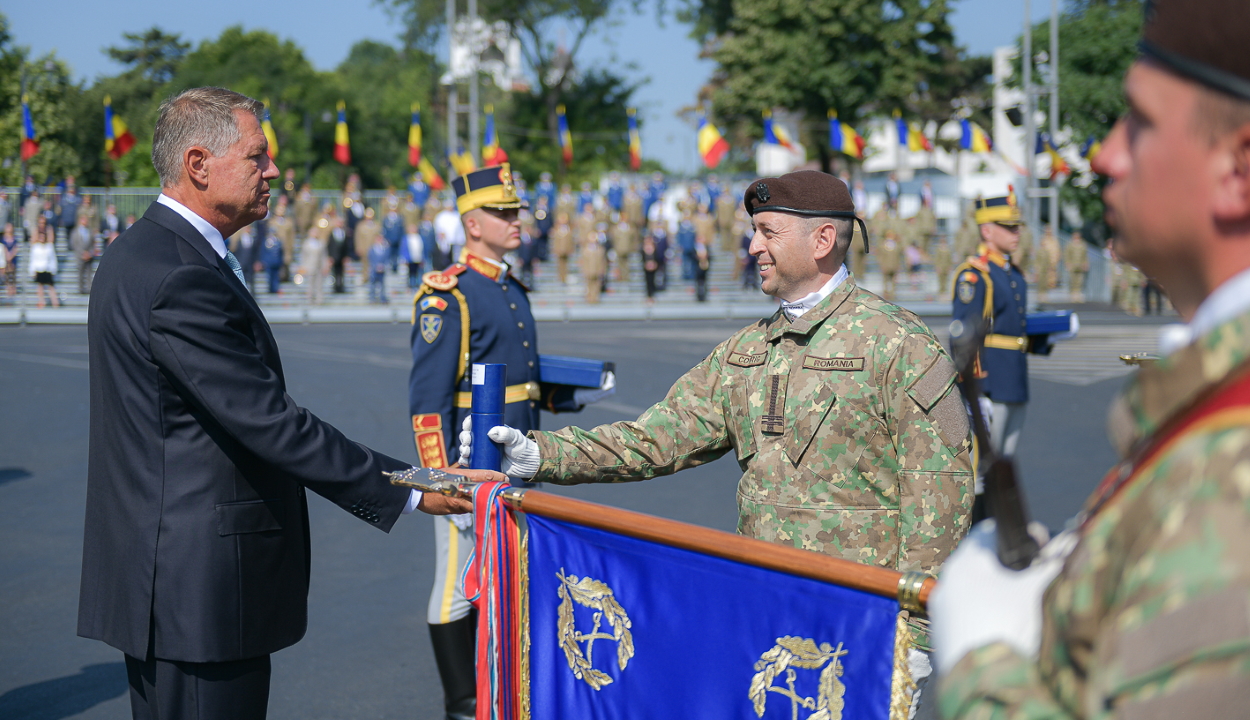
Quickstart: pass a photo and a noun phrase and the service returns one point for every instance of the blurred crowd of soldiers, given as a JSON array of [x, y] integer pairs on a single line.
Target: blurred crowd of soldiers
[[596, 230]]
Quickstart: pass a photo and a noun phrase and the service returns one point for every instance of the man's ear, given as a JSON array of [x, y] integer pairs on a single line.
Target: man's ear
[[825, 241], [195, 162], [472, 225], [1231, 199], [985, 232]]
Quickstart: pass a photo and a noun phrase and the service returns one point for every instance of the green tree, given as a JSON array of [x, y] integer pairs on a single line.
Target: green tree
[[596, 110], [861, 58], [552, 64], [153, 53], [381, 84], [1097, 43], [52, 96]]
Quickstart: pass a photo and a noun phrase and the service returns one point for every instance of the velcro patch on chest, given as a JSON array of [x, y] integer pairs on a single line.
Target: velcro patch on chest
[[850, 364], [746, 360]]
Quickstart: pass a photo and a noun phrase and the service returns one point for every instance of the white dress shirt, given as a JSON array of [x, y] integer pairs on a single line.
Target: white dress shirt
[[794, 310], [214, 238]]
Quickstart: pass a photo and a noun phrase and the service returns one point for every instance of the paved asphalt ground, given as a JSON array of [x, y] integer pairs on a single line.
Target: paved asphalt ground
[[366, 654]]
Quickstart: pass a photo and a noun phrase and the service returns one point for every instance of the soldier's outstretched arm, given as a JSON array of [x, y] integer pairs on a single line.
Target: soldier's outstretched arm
[[685, 429]]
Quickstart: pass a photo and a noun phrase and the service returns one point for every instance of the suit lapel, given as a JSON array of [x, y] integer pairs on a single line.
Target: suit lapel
[[167, 218]]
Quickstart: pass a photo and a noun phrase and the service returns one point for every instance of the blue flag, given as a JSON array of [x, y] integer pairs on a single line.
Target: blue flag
[[625, 628]]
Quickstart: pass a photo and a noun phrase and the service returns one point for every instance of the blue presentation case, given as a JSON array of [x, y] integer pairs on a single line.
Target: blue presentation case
[[1048, 323], [575, 371]]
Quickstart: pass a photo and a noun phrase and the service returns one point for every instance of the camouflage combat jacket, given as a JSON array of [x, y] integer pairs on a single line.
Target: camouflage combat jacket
[[1150, 617], [849, 430]]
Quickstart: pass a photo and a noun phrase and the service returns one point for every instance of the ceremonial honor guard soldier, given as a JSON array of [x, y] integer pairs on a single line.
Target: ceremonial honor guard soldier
[[474, 311], [989, 286]]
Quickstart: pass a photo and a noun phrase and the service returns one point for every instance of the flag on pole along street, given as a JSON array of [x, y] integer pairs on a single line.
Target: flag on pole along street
[[565, 137], [1091, 147], [270, 136], [844, 139], [118, 139], [972, 137], [909, 135], [342, 146], [490, 141], [462, 161], [635, 142], [585, 622], [775, 135], [30, 143], [430, 175], [712, 145], [414, 140], [1058, 166]]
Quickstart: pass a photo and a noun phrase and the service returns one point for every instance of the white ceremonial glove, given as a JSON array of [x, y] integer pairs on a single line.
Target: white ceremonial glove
[[586, 396], [978, 601], [462, 521], [466, 441], [520, 454]]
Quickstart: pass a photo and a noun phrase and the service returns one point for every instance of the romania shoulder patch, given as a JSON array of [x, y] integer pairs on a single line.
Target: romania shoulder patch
[[433, 301], [431, 326]]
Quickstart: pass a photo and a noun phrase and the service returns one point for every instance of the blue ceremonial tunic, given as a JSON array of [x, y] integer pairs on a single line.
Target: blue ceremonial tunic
[[496, 311], [1006, 372]]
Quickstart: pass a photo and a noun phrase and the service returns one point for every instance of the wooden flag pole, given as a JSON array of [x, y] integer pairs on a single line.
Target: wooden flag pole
[[910, 588]]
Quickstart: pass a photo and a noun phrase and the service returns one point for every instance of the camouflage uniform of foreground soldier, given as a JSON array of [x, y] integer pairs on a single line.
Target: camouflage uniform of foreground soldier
[[1149, 615], [841, 407]]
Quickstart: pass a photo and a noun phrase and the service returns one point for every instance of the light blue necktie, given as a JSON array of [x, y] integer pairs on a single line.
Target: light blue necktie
[[233, 262]]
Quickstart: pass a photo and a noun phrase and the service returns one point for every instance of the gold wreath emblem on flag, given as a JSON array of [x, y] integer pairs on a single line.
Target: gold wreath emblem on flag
[[597, 596], [802, 653]]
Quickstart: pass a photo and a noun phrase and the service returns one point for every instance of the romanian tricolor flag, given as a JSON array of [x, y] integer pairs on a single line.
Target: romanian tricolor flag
[[973, 138], [565, 137], [342, 146], [430, 175], [1091, 147], [774, 135], [462, 161], [712, 146], [635, 142], [117, 137], [492, 154], [587, 611], [30, 144], [844, 139], [910, 135], [1058, 166], [414, 142], [270, 136]]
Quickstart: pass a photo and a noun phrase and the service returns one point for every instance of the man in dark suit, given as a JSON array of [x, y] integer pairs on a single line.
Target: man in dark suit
[[196, 547]]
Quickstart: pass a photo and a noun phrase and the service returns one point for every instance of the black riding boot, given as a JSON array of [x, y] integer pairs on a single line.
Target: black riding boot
[[454, 651]]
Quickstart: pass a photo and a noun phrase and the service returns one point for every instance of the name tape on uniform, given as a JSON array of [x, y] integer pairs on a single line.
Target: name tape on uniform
[[745, 360], [818, 363]]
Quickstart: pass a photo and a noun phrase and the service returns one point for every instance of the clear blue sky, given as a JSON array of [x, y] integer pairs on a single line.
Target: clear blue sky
[[78, 30]]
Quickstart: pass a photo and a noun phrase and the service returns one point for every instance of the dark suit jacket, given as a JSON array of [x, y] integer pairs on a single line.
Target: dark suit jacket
[[197, 522]]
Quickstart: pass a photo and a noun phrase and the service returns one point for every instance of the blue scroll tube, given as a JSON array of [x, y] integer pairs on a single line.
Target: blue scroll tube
[[486, 413]]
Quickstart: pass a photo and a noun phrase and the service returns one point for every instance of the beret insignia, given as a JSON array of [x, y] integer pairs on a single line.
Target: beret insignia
[[761, 192]]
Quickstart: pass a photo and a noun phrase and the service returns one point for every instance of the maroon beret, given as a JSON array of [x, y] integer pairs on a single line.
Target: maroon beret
[[1203, 40], [810, 193], [806, 192]]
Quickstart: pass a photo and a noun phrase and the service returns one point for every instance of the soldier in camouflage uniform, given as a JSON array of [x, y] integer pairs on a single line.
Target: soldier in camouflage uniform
[[841, 407], [1146, 615], [1076, 261]]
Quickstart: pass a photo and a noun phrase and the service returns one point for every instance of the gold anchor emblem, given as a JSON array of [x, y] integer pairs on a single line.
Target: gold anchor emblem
[[599, 597], [796, 652]]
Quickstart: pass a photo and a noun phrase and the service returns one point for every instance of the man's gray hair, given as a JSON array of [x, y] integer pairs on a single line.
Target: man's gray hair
[[199, 117]]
